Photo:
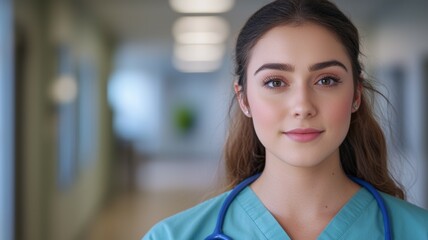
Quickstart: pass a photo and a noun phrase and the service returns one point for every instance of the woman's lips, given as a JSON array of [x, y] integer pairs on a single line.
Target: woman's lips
[[303, 134]]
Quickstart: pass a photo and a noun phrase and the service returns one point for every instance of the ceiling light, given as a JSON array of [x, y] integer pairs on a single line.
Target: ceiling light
[[201, 6], [199, 52], [200, 30], [196, 67]]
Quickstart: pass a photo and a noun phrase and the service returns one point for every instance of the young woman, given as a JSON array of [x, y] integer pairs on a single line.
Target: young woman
[[303, 131]]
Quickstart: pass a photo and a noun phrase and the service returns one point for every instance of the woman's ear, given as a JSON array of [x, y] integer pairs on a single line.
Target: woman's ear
[[357, 97], [240, 96]]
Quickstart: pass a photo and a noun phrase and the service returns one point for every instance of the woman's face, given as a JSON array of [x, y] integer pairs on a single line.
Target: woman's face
[[300, 94]]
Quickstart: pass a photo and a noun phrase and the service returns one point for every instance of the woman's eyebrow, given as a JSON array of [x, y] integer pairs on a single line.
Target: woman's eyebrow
[[276, 66], [290, 68], [322, 65]]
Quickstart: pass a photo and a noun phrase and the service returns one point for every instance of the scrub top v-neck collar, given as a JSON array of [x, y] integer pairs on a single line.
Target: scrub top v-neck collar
[[337, 227]]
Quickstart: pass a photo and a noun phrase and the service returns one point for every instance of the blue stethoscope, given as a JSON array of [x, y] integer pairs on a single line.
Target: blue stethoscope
[[218, 231]]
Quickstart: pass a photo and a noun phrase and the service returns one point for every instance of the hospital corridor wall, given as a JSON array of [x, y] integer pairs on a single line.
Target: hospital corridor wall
[[7, 176], [63, 134], [397, 55]]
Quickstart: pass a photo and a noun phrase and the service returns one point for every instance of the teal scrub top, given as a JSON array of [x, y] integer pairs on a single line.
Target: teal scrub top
[[248, 218]]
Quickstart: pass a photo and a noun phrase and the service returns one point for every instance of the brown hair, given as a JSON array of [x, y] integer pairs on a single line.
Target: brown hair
[[363, 153]]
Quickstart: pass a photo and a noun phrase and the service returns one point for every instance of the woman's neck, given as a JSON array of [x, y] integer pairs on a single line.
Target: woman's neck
[[304, 195]]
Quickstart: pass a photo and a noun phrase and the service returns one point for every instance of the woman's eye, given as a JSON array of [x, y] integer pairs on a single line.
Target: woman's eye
[[274, 83], [328, 81]]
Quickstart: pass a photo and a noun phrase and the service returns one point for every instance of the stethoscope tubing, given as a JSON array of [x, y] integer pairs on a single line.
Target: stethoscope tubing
[[380, 203], [218, 230]]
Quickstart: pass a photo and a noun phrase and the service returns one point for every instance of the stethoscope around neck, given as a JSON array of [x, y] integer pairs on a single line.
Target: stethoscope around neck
[[218, 230]]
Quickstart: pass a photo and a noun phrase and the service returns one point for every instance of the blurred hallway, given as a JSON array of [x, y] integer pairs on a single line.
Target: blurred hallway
[[118, 110], [134, 209], [130, 214]]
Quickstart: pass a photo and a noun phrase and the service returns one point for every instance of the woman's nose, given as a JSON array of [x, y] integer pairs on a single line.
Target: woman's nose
[[303, 103]]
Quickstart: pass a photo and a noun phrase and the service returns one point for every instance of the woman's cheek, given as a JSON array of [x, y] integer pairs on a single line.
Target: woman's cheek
[[265, 118], [263, 113], [340, 114]]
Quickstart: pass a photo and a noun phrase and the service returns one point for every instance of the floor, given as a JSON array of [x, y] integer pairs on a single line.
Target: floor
[[130, 214]]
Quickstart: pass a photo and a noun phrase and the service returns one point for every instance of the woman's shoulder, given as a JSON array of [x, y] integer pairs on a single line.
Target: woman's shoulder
[[407, 216], [196, 221], [399, 206]]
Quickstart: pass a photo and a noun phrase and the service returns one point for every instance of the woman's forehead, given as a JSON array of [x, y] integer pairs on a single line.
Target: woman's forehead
[[298, 44]]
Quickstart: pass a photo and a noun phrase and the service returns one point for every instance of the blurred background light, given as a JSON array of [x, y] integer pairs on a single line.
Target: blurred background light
[[198, 57], [200, 30], [196, 66], [201, 6], [199, 52], [64, 89], [133, 96], [199, 43]]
